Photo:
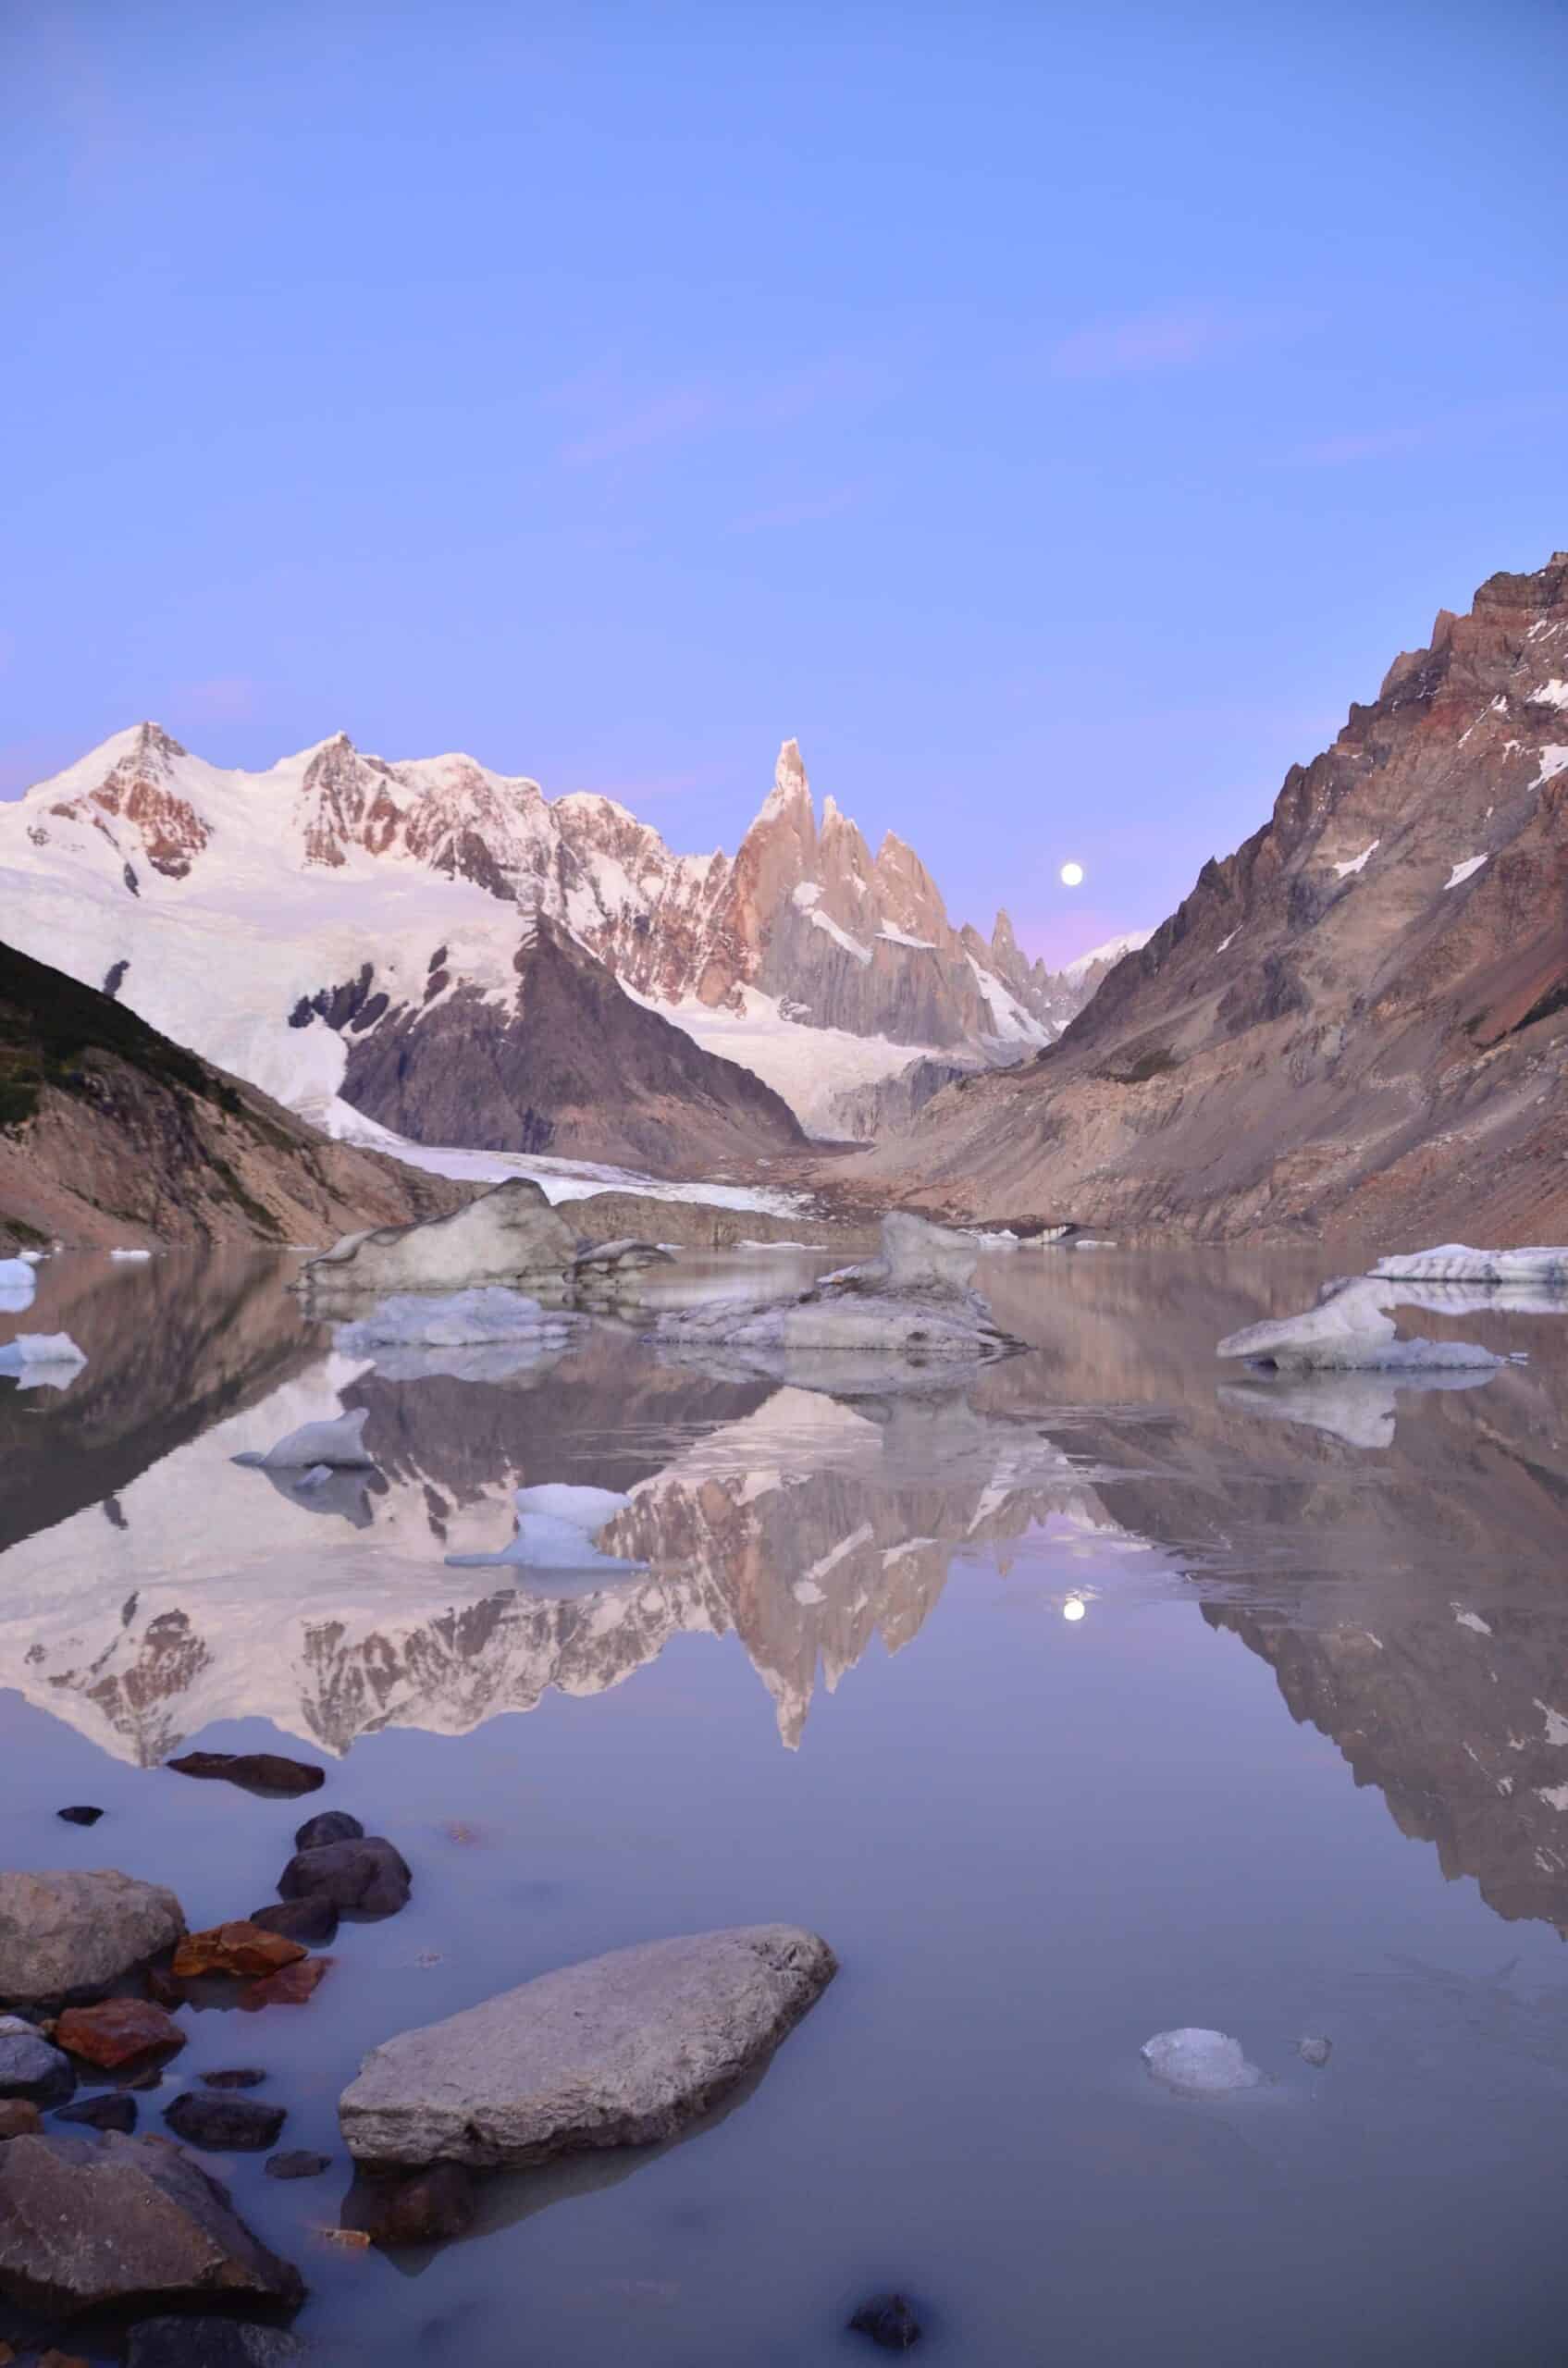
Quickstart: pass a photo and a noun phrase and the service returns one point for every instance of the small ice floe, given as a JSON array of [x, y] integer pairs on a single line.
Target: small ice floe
[[40, 1353], [556, 1526], [1454, 1262], [485, 1317], [131, 1253], [17, 1275], [1199, 2063], [1314, 2050], [338, 1444], [1358, 1408], [1350, 1330], [33, 1257]]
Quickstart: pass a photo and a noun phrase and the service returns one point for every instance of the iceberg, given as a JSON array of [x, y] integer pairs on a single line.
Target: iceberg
[[131, 1253], [1351, 1330], [556, 1523], [338, 1444], [1200, 2063], [480, 1318], [31, 1348], [17, 1275], [1453, 1262], [1357, 1407]]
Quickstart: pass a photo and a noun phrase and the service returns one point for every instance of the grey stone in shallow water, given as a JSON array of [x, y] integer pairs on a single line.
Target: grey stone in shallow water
[[625, 2050], [30, 2068], [87, 2224], [74, 1929]]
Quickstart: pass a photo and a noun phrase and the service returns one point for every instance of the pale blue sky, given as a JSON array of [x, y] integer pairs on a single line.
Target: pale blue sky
[[1052, 415]]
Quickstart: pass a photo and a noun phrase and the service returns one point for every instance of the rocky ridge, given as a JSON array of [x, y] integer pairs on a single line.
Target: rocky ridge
[[1360, 1019]]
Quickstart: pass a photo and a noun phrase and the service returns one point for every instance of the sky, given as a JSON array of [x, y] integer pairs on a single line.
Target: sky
[[1052, 416]]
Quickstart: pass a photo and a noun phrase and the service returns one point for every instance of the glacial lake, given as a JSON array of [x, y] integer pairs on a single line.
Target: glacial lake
[[1112, 1692]]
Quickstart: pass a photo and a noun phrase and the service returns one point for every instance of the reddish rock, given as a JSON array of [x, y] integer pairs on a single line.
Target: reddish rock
[[17, 2117], [118, 2032], [291, 1986], [162, 1986], [239, 1948]]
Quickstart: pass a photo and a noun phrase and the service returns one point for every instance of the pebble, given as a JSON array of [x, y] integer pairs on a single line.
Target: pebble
[[226, 2124], [298, 2165], [79, 1816], [241, 2077]]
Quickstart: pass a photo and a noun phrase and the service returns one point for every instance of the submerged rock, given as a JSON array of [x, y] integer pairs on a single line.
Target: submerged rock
[[240, 1948], [315, 1922], [238, 2077], [363, 1877], [1314, 2050], [20, 2116], [889, 2320], [111, 2109], [225, 2125], [212, 2343], [72, 1929], [297, 2166], [1199, 2063], [624, 2050], [118, 2032], [124, 2221], [430, 2208], [266, 1772], [290, 1986]]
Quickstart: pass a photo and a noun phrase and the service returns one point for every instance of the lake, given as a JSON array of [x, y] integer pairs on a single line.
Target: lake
[[1113, 1692]]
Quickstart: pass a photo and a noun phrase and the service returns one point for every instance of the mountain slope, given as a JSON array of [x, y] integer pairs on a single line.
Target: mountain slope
[[111, 1134], [244, 914], [1358, 1020]]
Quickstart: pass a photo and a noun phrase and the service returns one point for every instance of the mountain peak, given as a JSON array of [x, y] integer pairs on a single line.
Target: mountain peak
[[790, 785]]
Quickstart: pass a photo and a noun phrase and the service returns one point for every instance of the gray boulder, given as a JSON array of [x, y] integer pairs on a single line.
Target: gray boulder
[[30, 2068], [624, 2050], [87, 2224], [74, 1929]]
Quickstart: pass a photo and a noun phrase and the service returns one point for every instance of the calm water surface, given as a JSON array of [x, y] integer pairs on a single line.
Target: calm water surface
[[1295, 1760]]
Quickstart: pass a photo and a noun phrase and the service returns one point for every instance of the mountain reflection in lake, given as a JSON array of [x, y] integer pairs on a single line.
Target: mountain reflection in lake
[[1033, 1840]]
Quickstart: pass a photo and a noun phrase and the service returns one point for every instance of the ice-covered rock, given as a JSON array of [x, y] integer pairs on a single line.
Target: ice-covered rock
[[511, 1235], [488, 1317], [1199, 2063], [914, 1301], [556, 1525], [53, 1349], [1350, 1329], [625, 2050], [338, 1444], [1453, 1262]]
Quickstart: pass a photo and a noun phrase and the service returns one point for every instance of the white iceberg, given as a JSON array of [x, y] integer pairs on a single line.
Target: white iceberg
[[31, 1348], [17, 1275], [509, 1235], [1357, 1407], [338, 1444], [1351, 1330], [556, 1523], [1200, 2063], [1453, 1262], [131, 1253], [480, 1318]]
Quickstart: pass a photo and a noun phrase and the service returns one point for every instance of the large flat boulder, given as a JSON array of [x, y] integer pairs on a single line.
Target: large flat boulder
[[71, 1929], [624, 2050], [511, 1235], [114, 2223]]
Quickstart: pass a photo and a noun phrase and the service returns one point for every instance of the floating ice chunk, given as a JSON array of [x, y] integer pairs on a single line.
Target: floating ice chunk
[[33, 1257], [1348, 1331], [14, 1297], [1199, 2063], [17, 1275], [1453, 1262], [29, 1349], [131, 1253], [457, 1319], [1357, 1407], [556, 1523], [338, 1444]]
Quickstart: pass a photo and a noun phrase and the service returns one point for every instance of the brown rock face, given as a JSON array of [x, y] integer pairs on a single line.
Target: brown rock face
[[290, 1986], [118, 2032], [1358, 1020], [234, 1948]]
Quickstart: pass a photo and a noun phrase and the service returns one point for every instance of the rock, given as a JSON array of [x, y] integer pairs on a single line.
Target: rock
[[124, 2221], [313, 1920], [29, 2067], [332, 1825], [225, 2125], [73, 1930], [53, 2359], [118, 2032], [1199, 2063], [1314, 2050], [427, 2209], [111, 2109], [240, 1948], [336, 1446], [79, 1816], [242, 2076], [162, 1988], [255, 1772], [509, 1235], [365, 1878], [297, 2166], [288, 1987], [624, 2050], [19, 2118], [211, 2343], [889, 2322]]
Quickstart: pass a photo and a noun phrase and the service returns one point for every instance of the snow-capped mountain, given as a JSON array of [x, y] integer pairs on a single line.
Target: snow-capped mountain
[[338, 925]]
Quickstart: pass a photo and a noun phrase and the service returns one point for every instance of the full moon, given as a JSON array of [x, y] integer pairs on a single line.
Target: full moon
[[1072, 875], [1074, 1607]]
